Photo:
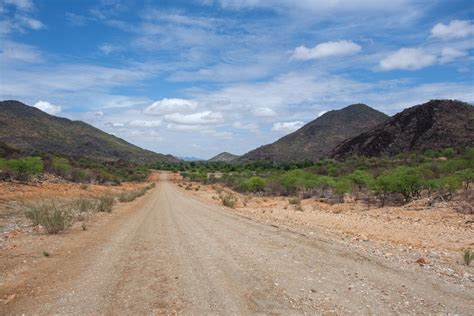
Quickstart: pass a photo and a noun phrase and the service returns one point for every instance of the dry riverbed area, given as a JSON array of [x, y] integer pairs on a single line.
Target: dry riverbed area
[[416, 236]]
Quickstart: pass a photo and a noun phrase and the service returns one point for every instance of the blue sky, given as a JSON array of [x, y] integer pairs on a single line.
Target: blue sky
[[206, 76]]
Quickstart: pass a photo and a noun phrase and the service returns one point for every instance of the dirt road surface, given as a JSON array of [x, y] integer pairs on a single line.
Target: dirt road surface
[[169, 252]]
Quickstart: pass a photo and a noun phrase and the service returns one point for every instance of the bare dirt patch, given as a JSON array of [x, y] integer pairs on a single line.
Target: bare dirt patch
[[437, 234]]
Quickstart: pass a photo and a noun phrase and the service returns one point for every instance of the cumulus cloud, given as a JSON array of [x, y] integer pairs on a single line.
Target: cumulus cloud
[[166, 105], [407, 59], [48, 107], [454, 29], [287, 127], [264, 112], [325, 50], [200, 118]]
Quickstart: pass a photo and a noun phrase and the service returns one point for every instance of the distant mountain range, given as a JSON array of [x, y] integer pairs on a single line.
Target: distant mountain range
[[224, 156], [354, 130], [319, 137], [25, 130], [436, 124], [190, 158]]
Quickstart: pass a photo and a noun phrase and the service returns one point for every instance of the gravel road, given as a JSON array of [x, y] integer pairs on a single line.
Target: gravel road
[[176, 254]]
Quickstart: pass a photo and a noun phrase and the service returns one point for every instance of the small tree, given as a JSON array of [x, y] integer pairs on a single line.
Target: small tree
[[254, 184], [61, 166], [361, 179], [24, 168]]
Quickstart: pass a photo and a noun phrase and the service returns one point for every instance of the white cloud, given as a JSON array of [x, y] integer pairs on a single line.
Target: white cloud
[[13, 51], [315, 6], [21, 19], [22, 5], [449, 54], [200, 118], [166, 105], [407, 59], [184, 128], [108, 48], [328, 49], [454, 29], [264, 112], [287, 127], [48, 107], [321, 113], [143, 123], [114, 124], [31, 23]]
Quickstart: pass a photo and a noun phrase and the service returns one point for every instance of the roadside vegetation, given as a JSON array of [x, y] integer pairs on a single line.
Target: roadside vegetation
[[81, 170], [438, 175], [56, 216]]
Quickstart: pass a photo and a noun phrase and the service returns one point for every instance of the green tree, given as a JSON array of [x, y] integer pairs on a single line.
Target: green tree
[[61, 166], [361, 179], [24, 168], [254, 184]]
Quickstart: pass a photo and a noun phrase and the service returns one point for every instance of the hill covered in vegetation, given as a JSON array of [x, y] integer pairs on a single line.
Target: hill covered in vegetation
[[224, 156], [26, 131]]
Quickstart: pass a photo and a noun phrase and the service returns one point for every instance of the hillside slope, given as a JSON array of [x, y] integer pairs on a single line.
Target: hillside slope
[[316, 139], [436, 124], [28, 130], [224, 156]]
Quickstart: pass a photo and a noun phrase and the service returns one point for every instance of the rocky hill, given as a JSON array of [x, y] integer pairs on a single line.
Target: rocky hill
[[318, 138], [436, 124], [224, 156], [27, 130]]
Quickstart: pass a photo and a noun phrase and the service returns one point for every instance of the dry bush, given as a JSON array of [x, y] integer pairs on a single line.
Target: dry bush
[[468, 256], [131, 195], [228, 200], [294, 201], [105, 203], [52, 217]]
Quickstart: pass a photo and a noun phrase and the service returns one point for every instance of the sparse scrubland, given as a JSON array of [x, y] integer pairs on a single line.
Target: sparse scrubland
[[56, 216], [438, 175]]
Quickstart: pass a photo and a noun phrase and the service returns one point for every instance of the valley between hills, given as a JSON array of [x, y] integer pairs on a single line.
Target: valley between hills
[[354, 213]]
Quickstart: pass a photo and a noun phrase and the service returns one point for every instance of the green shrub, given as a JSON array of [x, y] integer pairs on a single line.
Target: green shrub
[[105, 203], [402, 180], [24, 168], [254, 184], [61, 166], [361, 179]]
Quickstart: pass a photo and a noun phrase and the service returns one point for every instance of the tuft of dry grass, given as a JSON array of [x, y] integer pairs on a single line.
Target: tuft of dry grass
[[468, 256], [105, 203], [294, 201], [228, 200], [51, 216]]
